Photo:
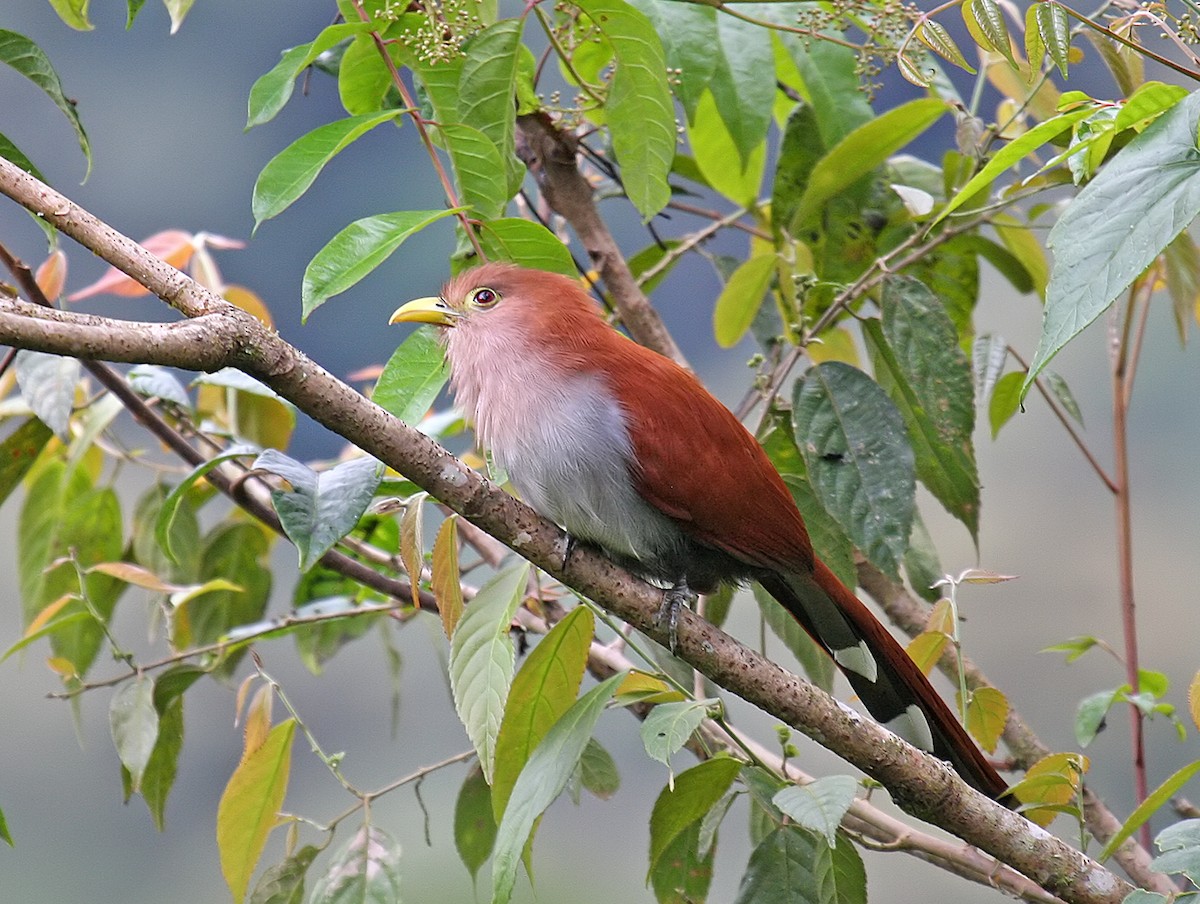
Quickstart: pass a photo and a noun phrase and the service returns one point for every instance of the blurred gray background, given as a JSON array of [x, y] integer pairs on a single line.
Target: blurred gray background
[[166, 116]]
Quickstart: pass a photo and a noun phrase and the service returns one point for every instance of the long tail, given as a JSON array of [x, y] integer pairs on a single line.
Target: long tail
[[883, 675]]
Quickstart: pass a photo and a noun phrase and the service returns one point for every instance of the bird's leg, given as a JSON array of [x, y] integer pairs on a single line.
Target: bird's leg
[[674, 598], [568, 548]]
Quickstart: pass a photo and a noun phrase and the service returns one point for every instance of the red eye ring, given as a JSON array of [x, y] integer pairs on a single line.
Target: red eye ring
[[484, 297]]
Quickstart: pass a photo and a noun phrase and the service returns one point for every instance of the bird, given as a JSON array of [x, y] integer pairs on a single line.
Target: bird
[[627, 451]]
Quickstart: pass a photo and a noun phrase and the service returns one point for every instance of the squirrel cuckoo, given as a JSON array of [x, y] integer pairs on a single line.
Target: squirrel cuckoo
[[627, 450]]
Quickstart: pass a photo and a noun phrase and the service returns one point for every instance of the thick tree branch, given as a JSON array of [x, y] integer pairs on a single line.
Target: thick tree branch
[[925, 787]]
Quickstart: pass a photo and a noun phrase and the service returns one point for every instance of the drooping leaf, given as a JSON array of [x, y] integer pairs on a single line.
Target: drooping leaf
[[987, 713], [478, 170], [48, 386], [1115, 228], [688, 32], [249, 807], [669, 726], [412, 377], [283, 883], [19, 451], [486, 91], [29, 60], [481, 660], [715, 153], [542, 780], [858, 458], [792, 864], [526, 243], [133, 721], [365, 871], [445, 577], [1053, 27], [638, 108], [1005, 401], [289, 173], [693, 794], [740, 299], [271, 92], [743, 52], [320, 508], [544, 688], [819, 805], [474, 823], [356, 251]]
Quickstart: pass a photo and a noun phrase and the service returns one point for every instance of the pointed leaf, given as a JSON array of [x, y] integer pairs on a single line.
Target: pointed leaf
[[1006, 400], [696, 791], [819, 805], [29, 60], [1121, 221], [283, 883], [365, 871], [482, 657], [249, 807], [544, 688], [743, 52], [739, 301], [357, 250], [478, 170], [486, 92], [271, 92], [48, 387], [858, 457], [542, 780], [987, 713], [1147, 808], [289, 173], [1055, 31], [792, 864], [446, 578], [133, 722], [985, 21], [934, 35], [474, 824], [638, 109], [526, 243], [669, 726], [864, 149], [19, 451], [320, 508], [688, 33]]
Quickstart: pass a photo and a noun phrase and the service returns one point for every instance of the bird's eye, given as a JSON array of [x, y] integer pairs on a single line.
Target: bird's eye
[[484, 297]]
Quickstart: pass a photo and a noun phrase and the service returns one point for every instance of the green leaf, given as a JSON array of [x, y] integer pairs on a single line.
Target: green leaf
[[743, 97], [48, 387], [1055, 31], [688, 33], [19, 451], [234, 552], [474, 824], [1013, 152], [1061, 391], [178, 10], [668, 726], [289, 173], [1147, 808], [478, 169], [693, 794], [364, 80], [163, 765], [934, 35], [482, 657], [250, 804], [133, 721], [64, 514], [5, 835], [792, 864], [14, 154], [819, 805], [413, 377], [29, 60], [831, 80], [1115, 228], [486, 89], [739, 301], [1091, 713], [864, 149], [1005, 401], [542, 780], [799, 152], [858, 457], [988, 354], [715, 153], [365, 871], [985, 21], [271, 92], [526, 243], [164, 532], [283, 883], [598, 771], [1180, 844], [357, 250], [684, 872], [919, 362], [638, 108], [73, 13], [320, 508], [544, 688]]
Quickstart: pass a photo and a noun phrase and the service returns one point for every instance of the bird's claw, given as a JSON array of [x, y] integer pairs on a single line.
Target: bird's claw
[[674, 599], [567, 550]]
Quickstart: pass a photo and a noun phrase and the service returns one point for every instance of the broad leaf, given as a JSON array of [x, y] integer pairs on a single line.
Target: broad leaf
[[19, 451], [271, 92], [792, 864], [365, 871], [250, 805], [474, 824], [543, 689], [133, 721], [48, 387], [526, 243], [357, 250], [320, 508], [687, 801], [482, 657], [743, 52], [688, 33], [740, 299], [289, 173], [29, 60], [668, 727], [858, 457], [542, 780], [819, 806], [478, 170], [413, 377], [638, 109], [486, 91], [1115, 228]]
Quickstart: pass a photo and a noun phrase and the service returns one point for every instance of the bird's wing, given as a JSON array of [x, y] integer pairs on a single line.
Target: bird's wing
[[696, 463]]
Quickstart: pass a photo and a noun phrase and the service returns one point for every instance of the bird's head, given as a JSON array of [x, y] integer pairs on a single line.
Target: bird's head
[[497, 310]]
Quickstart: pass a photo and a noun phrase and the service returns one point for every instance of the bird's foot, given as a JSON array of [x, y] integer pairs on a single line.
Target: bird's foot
[[568, 549], [674, 599]]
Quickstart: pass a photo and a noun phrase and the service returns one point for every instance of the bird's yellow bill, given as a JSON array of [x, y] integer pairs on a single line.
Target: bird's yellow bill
[[423, 310]]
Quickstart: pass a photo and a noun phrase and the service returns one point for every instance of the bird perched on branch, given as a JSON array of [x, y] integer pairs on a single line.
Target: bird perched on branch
[[627, 450]]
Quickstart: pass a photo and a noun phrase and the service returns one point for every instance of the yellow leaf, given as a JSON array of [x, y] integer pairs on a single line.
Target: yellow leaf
[[60, 665], [445, 581], [1054, 780], [941, 618], [52, 274], [250, 805], [834, 345], [43, 617], [136, 575], [642, 687], [1194, 699], [249, 302], [926, 649], [258, 720], [987, 712]]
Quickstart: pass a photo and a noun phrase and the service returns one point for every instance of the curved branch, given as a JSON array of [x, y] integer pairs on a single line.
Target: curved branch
[[923, 786]]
